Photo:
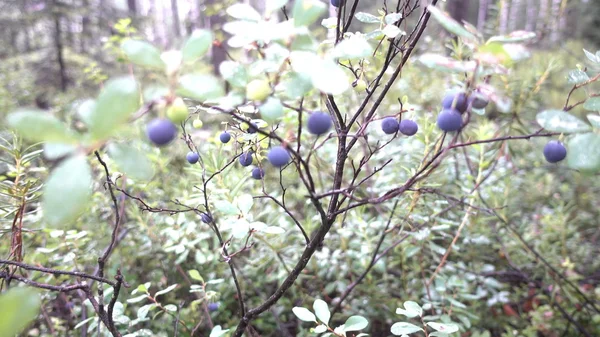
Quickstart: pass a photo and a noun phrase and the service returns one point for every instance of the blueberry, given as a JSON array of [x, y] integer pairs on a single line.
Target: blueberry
[[225, 137], [408, 127], [461, 101], [336, 3], [258, 173], [478, 100], [206, 218], [246, 159], [278, 156], [319, 123], [389, 125], [449, 120], [213, 307], [161, 131], [554, 151], [192, 157], [252, 127]]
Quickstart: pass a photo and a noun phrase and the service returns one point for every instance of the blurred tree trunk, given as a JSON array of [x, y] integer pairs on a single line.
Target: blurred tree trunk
[[542, 17], [482, 14], [531, 16], [58, 45], [458, 9], [503, 17], [514, 16], [215, 22], [176, 22], [85, 23], [28, 21], [555, 20], [132, 7]]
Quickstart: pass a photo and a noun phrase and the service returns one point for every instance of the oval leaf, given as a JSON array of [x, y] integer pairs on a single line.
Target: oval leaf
[[39, 126], [594, 120], [583, 153], [166, 290], [119, 100], [304, 314], [402, 328], [445, 328], [200, 87], [306, 12], [20, 306], [131, 161], [450, 24], [197, 45], [561, 121], [67, 191], [322, 311], [243, 12], [142, 53], [355, 323], [592, 104]]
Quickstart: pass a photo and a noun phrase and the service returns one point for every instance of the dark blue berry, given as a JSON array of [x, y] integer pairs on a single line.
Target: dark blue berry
[[258, 173], [408, 127], [206, 218], [554, 151], [213, 307], [246, 159], [336, 3], [192, 157], [278, 156], [252, 127], [478, 101], [449, 120], [389, 125], [319, 123], [161, 131], [225, 137], [461, 103]]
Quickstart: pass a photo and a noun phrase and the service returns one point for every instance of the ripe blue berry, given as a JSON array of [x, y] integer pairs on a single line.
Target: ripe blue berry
[[278, 156], [225, 137], [336, 3], [389, 125], [408, 127], [449, 120], [554, 151], [246, 159], [461, 103], [206, 218], [252, 127], [213, 307], [258, 173], [319, 123], [192, 157], [161, 131]]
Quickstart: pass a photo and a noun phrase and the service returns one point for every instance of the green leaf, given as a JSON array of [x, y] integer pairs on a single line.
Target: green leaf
[[320, 328], [171, 307], [271, 110], [20, 306], [392, 31], [53, 151], [583, 152], [445, 328], [217, 331], [39, 126], [594, 120], [234, 73], [355, 47], [197, 45], [131, 161], [392, 18], [67, 191], [592, 57], [116, 103], [450, 24], [304, 314], [592, 104], [577, 77], [194, 274], [166, 290], [143, 311], [401, 328], [514, 37], [412, 309], [142, 53], [305, 12], [85, 110], [273, 5], [561, 121], [137, 299], [366, 17], [243, 11], [297, 85], [200, 87], [355, 323], [322, 311]]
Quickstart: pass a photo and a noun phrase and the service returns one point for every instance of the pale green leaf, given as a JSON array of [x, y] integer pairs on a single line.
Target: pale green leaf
[[194, 274], [119, 99], [322, 311], [197, 45], [271, 110], [594, 120], [273, 5], [20, 306], [577, 76], [320, 328], [305, 12], [401, 328], [142, 53], [392, 18], [67, 191], [561, 121], [355, 323], [392, 31], [445, 328], [304, 314], [131, 161], [450, 24], [366, 17], [166, 290], [137, 299], [39, 126], [217, 331], [243, 11], [592, 57], [234, 73], [200, 87], [355, 47], [171, 307], [54, 151], [592, 104], [583, 152]]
